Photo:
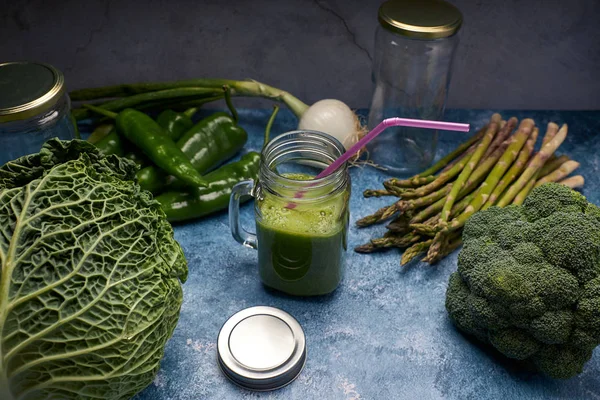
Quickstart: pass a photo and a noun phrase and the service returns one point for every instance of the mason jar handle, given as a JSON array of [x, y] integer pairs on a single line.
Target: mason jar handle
[[241, 235]]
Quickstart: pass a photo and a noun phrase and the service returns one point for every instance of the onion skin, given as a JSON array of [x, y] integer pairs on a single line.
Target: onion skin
[[334, 118]]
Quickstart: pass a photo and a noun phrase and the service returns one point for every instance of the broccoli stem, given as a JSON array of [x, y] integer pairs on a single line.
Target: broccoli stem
[[514, 171], [534, 165]]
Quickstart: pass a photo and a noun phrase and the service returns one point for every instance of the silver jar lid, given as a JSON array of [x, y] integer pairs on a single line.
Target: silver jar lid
[[261, 348], [28, 89]]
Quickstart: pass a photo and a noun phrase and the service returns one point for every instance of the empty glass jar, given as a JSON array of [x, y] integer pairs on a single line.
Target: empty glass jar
[[34, 107], [414, 50]]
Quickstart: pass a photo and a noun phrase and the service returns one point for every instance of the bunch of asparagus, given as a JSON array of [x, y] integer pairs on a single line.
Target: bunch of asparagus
[[497, 166]]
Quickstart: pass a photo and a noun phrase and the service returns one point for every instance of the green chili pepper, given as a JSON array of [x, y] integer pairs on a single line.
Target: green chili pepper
[[175, 123], [100, 133], [75, 127], [180, 206], [207, 144], [149, 137], [111, 143]]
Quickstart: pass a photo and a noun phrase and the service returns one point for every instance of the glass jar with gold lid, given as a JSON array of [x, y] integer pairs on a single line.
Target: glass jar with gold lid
[[34, 107], [415, 44]]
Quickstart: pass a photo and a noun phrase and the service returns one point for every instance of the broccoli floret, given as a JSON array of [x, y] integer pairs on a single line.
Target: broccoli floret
[[561, 362], [550, 198], [483, 252], [490, 223], [527, 253], [570, 241], [553, 327], [593, 210], [587, 316], [514, 343], [484, 314], [458, 307], [528, 280]]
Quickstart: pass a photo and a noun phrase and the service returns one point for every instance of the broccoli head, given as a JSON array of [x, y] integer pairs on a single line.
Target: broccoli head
[[528, 280]]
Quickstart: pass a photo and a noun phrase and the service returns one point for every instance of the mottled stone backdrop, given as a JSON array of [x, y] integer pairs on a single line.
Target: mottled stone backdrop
[[542, 54]]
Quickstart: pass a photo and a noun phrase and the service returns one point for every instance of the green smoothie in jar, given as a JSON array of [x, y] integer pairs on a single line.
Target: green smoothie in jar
[[301, 248]]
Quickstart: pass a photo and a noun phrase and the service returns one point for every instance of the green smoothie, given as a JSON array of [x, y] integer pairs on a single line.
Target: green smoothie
[[300, 250]]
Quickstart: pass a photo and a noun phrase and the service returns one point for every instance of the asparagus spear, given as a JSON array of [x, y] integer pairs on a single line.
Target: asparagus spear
[[514, 171], [378, 216], [429, 227], [478, 175], [396, 190], [550, 133], [426, 176], [573, 182], [400, 224], [534, 165], [553, 163], [413, 182], [440, 181], [517, 142], [449, 174], [505, 129], [445, 247], [377, 193], [412, 204], [468, 170], [414, 250], [388, 242], [555, 176], [558, 174]]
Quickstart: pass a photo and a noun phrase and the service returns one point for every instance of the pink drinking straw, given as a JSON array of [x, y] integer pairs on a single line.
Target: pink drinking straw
[[386, 123]]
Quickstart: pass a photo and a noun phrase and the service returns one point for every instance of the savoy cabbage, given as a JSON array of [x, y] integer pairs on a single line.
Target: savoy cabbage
[[90, 286]]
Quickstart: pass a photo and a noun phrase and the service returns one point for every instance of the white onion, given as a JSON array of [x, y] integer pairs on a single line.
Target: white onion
[[333, 117]]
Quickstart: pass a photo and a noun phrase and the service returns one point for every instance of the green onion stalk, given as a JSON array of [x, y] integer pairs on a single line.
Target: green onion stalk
[[330, 116]]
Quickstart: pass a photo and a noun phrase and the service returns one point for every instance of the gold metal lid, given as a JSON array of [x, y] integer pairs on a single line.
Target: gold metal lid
[[420, 19], [28, 89]]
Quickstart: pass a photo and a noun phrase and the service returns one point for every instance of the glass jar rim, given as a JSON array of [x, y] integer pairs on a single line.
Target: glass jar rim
[[336, 180]]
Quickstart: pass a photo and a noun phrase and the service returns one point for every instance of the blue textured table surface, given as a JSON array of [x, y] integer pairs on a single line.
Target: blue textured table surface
[[384, 333]]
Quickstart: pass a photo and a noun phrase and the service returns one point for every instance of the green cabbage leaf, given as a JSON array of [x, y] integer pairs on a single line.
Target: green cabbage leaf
[[90, 285]]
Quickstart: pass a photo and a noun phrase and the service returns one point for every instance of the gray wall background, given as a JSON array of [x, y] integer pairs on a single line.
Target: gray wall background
[[540, 54]]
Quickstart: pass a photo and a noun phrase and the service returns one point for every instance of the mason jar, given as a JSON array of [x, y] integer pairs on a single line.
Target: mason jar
[[301, 223], [34, 107], [415, 44]]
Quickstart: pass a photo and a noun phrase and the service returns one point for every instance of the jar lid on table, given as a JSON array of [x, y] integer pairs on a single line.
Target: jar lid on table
[[28, 89], [261, 348], [420, 19]]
